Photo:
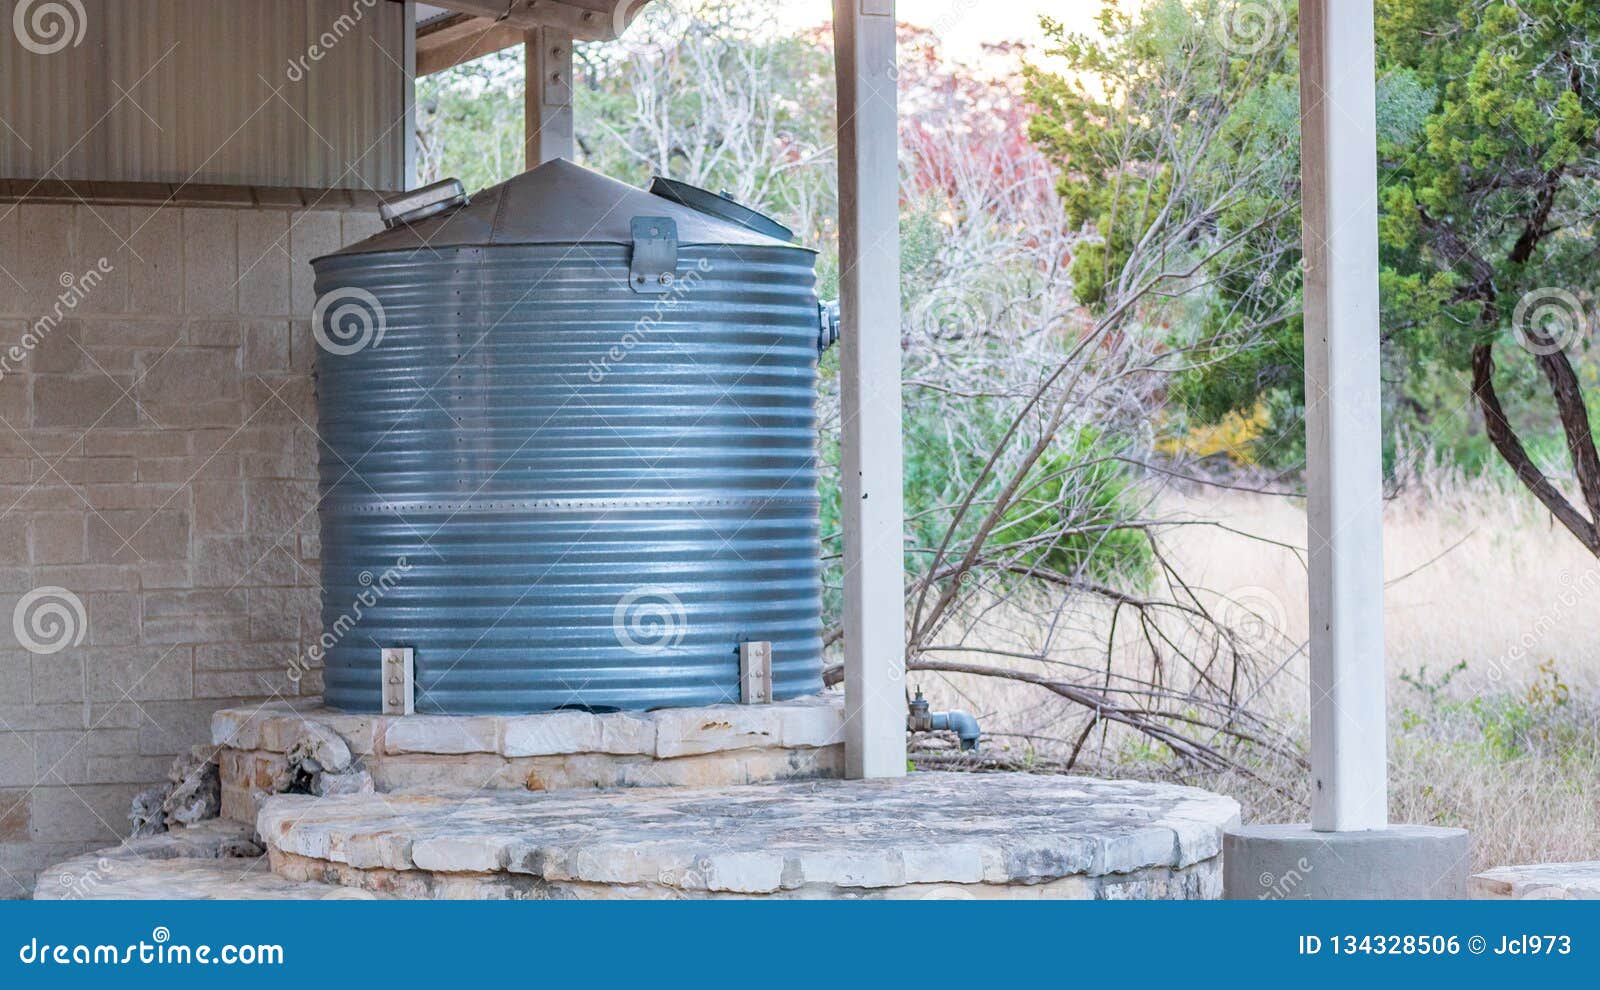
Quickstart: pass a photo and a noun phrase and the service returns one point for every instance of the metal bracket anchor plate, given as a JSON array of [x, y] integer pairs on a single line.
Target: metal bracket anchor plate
[[755, 673], [654, 266], [399, 674]]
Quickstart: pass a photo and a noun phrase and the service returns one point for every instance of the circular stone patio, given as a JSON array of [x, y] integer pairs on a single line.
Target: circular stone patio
[[932, 834]]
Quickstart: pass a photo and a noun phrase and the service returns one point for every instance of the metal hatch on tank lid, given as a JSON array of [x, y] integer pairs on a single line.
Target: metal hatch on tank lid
[[568, 450]]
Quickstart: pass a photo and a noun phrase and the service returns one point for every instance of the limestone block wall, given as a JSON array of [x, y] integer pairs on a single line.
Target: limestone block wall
[[158, 535], [714, 746]]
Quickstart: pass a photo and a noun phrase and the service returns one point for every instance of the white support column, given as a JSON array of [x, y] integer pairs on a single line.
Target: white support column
[[547, 96], [1349, 849], [869, 369], [1343, 425]]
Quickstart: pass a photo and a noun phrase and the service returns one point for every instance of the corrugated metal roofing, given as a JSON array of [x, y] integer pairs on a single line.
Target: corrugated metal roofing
[[234, 92]]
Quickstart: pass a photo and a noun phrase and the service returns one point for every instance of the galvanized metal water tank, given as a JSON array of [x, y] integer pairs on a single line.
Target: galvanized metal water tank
[[568, 450]]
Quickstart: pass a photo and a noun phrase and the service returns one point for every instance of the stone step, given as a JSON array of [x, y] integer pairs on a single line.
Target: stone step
[[213, 860], [91, 878], [996, 835]]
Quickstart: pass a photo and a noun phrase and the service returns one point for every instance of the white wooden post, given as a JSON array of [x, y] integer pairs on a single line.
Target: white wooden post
[[547, 96], [869, 389], [1343, 427]]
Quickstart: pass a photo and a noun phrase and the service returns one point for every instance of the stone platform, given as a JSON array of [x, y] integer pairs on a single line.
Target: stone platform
[[264, 750], [933, 835], [1540, 882], [996, 835]]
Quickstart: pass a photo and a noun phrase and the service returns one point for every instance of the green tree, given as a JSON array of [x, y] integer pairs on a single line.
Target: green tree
[[1173, 117], [1489, 145], [1488, 123], [469, 121], [1489, 212]]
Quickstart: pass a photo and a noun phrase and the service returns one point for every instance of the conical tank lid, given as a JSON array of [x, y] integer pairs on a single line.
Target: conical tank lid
[[558, 203]]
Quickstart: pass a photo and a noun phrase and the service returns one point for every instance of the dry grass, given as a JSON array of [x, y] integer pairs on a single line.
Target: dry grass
[[1494, 666]]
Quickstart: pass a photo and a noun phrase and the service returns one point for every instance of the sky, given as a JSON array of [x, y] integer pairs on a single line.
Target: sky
[[964, 26]]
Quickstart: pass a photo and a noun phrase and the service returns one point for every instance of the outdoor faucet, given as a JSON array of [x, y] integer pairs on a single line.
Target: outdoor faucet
[[963, 724]]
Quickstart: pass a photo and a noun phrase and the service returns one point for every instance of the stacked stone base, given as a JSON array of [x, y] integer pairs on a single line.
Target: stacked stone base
[[553, 751]]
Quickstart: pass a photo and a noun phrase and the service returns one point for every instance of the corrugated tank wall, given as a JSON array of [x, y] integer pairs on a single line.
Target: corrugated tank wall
[[309, 93], [594, 496]]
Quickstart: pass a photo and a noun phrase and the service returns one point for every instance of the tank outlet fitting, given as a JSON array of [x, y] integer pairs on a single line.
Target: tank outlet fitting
[[827, 325]]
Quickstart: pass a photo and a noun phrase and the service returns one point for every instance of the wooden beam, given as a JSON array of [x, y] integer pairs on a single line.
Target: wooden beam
[[408, 62], [869, 389], [580, 22], [461, 38], [1344, 465], [547, 96]]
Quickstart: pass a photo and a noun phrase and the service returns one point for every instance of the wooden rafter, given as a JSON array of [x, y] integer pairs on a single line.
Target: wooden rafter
[[461, 38], [584, 20], [482, 27]]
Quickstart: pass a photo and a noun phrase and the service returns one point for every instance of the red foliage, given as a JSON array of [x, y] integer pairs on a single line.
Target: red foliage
[[952, 114], [964, 130]]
